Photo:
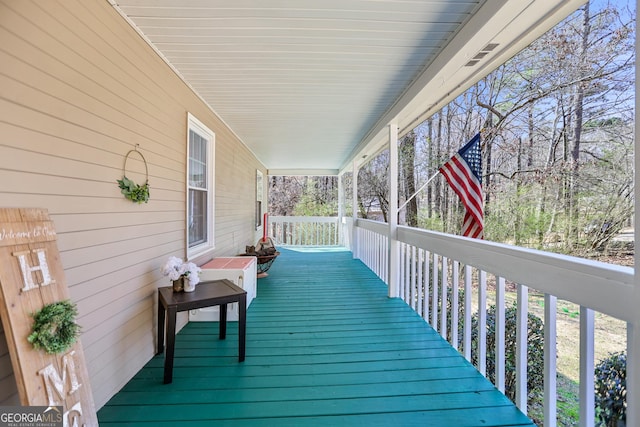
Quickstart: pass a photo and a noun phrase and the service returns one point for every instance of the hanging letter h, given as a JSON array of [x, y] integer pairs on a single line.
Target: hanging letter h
[[28, 270]]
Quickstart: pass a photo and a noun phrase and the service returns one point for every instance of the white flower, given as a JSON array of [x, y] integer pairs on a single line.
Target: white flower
[[176, 268], [193, 273]]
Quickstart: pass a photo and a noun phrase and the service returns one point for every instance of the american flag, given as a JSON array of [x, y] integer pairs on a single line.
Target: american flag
[[464, 174]]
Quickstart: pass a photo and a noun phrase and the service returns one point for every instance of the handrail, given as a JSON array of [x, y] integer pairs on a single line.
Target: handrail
[[604, 287], [304, 230], [304, 219], [374, 226]]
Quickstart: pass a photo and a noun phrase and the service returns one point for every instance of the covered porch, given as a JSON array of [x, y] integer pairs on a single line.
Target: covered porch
[[325, 346], [313, 88]]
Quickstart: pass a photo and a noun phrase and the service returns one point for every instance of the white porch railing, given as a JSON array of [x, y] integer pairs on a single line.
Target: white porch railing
[[431, 262], [304, 230], [373, 246]]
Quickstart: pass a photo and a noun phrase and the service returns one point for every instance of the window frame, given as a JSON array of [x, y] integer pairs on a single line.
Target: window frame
[[195, 125]]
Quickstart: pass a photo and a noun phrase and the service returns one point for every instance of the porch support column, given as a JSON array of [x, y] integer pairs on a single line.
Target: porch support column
[[633, 368], [355, 250], [633, 327], [340, 228], [394, 245]]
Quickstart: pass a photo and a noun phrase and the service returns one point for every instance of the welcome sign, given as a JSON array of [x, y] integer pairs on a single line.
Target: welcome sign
[[31, 277]]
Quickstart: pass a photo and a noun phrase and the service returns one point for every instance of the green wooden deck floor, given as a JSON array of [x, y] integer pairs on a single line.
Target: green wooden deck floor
[[325, 347]]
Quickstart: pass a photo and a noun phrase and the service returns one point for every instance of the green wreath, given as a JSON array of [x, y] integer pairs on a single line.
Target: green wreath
[[54, 328], [135, 192]]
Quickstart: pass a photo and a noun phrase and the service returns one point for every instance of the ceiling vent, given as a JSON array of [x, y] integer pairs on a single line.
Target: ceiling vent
[[483, 52]]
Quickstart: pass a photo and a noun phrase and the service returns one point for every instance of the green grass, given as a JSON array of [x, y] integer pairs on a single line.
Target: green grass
[[567, 404]]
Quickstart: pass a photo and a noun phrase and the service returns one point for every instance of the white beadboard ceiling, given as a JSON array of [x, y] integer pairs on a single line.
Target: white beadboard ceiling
[[310, 85]]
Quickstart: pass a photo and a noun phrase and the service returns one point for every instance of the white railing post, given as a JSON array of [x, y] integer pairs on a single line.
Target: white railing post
[[405, 283], [482, 323], [412, 293], [366, 248], [355, 249], [434, 292], [403, 264], [467, 312], [500, 324], [550, 354], [393, 211], [587, 392], [341, 200], [455, 269], [445, 294], [382, 254], [425, 282], [419, 282], [522, 346]]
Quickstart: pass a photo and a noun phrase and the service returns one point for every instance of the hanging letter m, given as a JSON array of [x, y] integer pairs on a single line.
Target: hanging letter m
[[54, 383], [29, 270]]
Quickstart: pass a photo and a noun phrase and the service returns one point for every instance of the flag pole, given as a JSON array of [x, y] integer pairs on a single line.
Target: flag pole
[[419, 190]]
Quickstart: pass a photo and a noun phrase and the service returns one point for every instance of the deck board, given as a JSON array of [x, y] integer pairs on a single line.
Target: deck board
[[325, 347]]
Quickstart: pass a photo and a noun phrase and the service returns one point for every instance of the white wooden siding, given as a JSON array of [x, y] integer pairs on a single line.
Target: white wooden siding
[[78, 89]]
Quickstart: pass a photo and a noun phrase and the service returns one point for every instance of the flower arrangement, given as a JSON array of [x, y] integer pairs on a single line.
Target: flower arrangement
[[176, 268]]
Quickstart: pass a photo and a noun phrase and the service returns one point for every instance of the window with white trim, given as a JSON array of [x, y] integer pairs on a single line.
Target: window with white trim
[[200, 194]]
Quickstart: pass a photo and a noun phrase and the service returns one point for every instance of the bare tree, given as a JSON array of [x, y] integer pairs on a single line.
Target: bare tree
[[407, 155]]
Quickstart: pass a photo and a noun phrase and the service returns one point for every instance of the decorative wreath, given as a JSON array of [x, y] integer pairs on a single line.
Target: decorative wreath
[[54, 328], [132, 191]]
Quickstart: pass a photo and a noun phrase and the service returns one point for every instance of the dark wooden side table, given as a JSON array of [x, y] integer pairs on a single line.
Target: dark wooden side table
[[207, 294]]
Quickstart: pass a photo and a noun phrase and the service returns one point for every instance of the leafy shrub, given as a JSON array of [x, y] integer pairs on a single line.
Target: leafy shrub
[[535, 357], [611, 390], [535, 344]]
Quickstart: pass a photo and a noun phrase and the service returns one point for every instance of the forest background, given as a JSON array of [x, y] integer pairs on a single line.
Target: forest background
[[557, 124]]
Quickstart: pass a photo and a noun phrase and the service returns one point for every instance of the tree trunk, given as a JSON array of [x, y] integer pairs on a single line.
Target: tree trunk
[[488, 149], [449, 198], [438, 183], [407, 159], [577, 132], [518, 213], [430, 152], [566, 184], [547, 170], [531, 139]]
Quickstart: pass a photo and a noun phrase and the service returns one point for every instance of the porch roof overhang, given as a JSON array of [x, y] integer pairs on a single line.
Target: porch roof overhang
[[310, 86]]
